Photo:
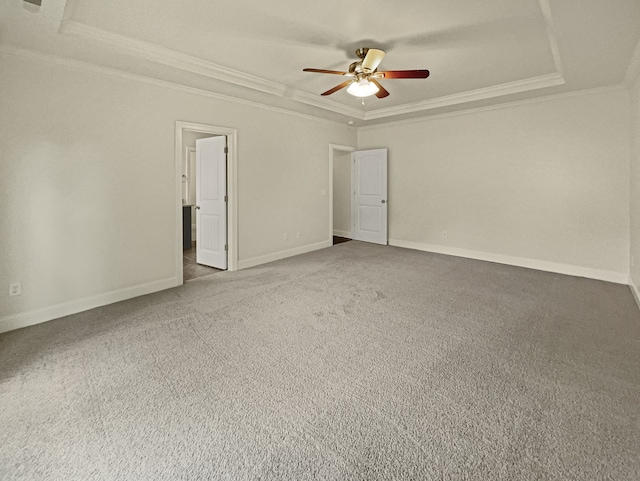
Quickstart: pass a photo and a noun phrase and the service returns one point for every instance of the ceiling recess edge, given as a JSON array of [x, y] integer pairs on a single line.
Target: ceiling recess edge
[[181, 61]]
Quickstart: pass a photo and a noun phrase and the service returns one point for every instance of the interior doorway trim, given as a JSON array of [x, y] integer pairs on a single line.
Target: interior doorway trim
[[232, 190], [333, 148]]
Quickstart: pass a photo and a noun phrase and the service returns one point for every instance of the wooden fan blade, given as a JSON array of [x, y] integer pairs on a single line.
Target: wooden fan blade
[[404, 74], [382, 93], [319, 70], [372, 59], [338, 87]]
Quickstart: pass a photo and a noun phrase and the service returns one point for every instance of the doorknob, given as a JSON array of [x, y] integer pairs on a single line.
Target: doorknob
[[197, 207], [383, 201]]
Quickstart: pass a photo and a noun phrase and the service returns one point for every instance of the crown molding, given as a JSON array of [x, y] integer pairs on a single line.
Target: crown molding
[[545, 7], [505, 105], [40, 57], [184, 62], [535, 83], [181, 61], [172, 58], [550, 80], [633, 69]]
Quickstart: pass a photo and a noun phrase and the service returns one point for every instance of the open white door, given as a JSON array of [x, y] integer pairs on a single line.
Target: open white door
[[369, 204], [211, 203]]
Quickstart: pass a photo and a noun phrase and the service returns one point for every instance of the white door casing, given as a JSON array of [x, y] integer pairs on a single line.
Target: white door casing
[[369, 204], [211, 205], [335, 150], [191, 174], [191, 187], [185, 178]]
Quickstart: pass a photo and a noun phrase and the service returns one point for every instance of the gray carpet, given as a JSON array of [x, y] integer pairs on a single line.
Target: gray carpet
[[357, 362]]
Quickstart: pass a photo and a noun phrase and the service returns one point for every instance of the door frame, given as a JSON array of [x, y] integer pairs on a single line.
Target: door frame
[[187, 150], [232, 190], [333, 148]]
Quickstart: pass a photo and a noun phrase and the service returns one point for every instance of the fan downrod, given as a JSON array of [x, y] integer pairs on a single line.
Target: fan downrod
[[362, 53]]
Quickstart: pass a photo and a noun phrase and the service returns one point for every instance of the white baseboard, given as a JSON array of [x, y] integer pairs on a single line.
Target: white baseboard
[[568, 269], [342, 233], [37, 316], [634, 291], [256, 261]]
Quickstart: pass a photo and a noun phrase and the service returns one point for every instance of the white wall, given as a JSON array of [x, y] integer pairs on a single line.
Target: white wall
[[87, 184], [635, 187], [342, 193], [542, 184]]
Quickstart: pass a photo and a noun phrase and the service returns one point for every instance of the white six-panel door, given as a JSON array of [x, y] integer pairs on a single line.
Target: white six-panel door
[[211, 205], [369, 202]]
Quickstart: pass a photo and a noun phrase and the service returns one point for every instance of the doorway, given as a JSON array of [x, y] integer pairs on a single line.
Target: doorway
[[186, 135], [197, 181], [358, 194], [340, 193]]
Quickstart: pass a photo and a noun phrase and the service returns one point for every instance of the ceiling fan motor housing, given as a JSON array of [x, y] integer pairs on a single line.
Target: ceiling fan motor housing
[[355, 67]]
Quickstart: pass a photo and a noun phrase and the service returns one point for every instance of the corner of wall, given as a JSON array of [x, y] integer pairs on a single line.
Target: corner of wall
[[634, 173]]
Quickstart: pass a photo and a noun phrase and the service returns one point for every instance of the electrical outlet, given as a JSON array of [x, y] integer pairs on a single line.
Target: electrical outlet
[[298, 235], [323, 192], [285, 236], [444, 233], [15, 288]]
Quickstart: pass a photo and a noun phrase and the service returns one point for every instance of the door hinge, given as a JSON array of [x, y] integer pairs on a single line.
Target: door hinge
[[226, 150], [226, 247], [226, 198]]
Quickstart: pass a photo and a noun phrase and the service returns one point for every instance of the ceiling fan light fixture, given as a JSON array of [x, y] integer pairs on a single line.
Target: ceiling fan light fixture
[[362, 88], [364, 75]]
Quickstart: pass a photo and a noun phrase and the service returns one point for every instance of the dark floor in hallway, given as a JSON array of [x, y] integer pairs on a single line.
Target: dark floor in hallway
[[192, 270], [339, 240]]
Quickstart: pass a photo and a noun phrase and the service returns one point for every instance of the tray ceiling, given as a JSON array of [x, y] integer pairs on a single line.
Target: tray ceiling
[[477, 52]]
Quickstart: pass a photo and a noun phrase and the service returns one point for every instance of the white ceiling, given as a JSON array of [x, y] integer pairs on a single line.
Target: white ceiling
[[478, 52]]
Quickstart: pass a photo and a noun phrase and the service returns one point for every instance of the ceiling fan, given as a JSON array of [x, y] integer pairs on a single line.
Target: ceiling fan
[[364, 75]]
